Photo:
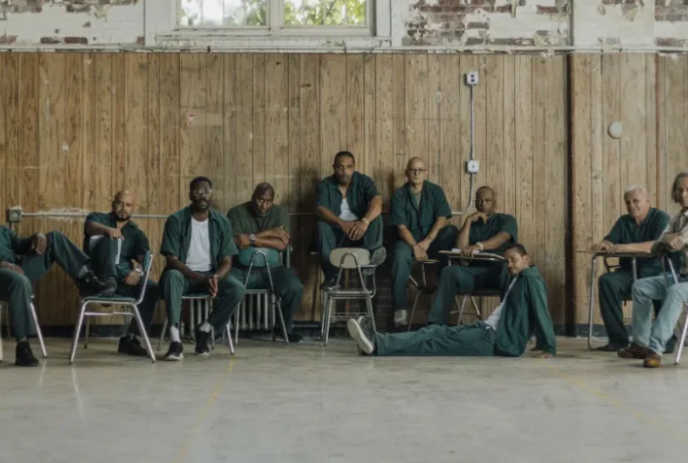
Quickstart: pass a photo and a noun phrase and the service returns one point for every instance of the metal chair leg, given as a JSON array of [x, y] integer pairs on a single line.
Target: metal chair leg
[[229, 338], [371, 314], [39, 333], [682, 341], [238, 321], [475, 306], [413, 310], [328, 315], [462, 308], [323, 297], [142, 332], [162, 334], [592, 301], [8, 326], [192, 319], [278, 309], [77, 331]]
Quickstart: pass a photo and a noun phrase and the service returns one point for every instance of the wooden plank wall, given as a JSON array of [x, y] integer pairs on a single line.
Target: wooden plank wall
[[649, 95], [75, 128]]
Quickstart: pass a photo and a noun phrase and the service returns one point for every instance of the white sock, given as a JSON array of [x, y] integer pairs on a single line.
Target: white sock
[[174, 334], [205, 327]]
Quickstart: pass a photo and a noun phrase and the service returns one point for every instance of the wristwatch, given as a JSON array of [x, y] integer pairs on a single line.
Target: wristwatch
[[252, 238], [480, 245], [139, 271], [365, 221]]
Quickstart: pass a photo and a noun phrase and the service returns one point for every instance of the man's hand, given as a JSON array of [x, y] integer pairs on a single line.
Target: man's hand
[[470, 251], [474, 217], [280, 234], [211, 284], [358, 230], [133, 278], [543, 355], [39, 243], [419, 253], [603, 246], [347, 227], [12, 267], [621, 248], [425, 244], [115, 233], [676, 243], [242, 241]]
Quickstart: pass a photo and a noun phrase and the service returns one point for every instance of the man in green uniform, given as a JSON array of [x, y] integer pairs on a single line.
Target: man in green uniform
[[522, 314], [262, 224], [24, 260], [117, 247], [484, 230], [633, 232], [198, 245], [419, 211], [348, 208]]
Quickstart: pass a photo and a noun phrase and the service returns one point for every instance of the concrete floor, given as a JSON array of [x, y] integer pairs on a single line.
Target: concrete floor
[[307, 404]]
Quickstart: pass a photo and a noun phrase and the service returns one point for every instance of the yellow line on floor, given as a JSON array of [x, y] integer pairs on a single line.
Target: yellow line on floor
[[184, 450]]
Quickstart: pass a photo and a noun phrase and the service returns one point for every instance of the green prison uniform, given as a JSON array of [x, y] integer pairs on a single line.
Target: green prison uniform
[[458, 279], [112, 259], [614, 285], [287, 285], [361, 192], [176, 240], [16, 289], [524, 314], [418, 215]]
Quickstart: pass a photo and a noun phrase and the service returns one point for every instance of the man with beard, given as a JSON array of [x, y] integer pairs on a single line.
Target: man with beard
[[198, 245], [117, 247], [348, 208], [522, 314], [633, 232], [260, 223], [484, 230]]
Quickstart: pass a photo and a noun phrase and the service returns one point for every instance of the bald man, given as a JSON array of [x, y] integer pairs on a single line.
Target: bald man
[[419, 212], [632, 232], [117, 247], [484, 230], [260, 223]]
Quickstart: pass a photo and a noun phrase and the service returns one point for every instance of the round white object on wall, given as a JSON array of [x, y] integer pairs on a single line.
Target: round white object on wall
[[615, 129]]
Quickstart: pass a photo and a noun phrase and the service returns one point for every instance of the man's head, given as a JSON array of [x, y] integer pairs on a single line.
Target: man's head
[[680, 189], [416, 171], [637, 201], [517, 259], [201, 193], [261, 201], [344, 167], [123, 205], [485, 201]]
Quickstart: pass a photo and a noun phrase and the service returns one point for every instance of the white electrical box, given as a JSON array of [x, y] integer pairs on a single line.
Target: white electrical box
[[472, 78], [472, 167]]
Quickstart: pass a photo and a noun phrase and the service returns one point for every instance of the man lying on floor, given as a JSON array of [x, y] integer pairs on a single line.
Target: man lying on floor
[[522, 313]]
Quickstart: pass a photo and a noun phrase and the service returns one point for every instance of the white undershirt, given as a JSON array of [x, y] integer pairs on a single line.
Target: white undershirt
[[198, 258], [493, 320], [346, 213]]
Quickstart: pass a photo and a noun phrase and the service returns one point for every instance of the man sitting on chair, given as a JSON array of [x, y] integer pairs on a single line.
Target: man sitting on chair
[[633, 232], [522, 314], [24, 260], [650, 339], [419, 211], [348, 208], [484, 230], [198, 245], [117, 247], [260, 223]]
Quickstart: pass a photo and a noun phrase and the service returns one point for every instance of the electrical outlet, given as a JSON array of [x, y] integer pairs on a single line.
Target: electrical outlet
[[472, 167], [472, 78], [14, 215]]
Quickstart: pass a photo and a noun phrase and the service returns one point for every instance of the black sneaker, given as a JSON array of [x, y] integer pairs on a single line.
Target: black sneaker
[[24, 356], [328, 283], [293, 338], [131, 346], [175, 352], [89, 284], [202, 341], [377, 258], [110, 288]]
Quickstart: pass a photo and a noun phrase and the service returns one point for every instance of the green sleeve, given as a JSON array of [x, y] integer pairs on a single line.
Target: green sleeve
[[537, 300], [283, 219], [322, 198], [171, 238], [227, 247], [235, 222], [369, 189], [614, 235], [442, 208], [660, 225], [397, 215], [142, 244], [509, 226]]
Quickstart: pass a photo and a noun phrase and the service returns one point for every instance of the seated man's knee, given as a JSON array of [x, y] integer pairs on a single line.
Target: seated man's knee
[[607, 280], [22, 284], [230, 285], [172, 277], [293, 285]]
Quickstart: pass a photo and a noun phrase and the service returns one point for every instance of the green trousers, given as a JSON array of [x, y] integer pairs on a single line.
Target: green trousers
[[473, 340], [107, 263], [288, 287], [16, 289], [331, 237], [175, 285], [459, 279], [612, 287], [402, 263]]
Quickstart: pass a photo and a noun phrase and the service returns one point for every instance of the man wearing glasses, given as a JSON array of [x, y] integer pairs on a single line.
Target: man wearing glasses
[[198, 245], [419, 212]]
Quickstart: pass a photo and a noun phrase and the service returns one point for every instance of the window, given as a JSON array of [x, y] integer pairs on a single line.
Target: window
[[352, 17]]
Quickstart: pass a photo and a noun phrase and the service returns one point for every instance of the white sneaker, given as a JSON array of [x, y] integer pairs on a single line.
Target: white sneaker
[[400, 317], [365, 345]]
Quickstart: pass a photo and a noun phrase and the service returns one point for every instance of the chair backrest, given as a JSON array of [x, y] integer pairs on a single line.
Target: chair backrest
[[259, 261], [350, 258], [147, 266]]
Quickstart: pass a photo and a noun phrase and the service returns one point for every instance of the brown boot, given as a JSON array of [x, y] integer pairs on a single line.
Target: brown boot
[[652, 360], [634, 351]]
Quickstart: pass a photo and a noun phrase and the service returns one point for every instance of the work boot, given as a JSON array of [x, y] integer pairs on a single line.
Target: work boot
[[633, 352], [24, 357], [90, 285], [652, 360], [131, 346], [292, 337]]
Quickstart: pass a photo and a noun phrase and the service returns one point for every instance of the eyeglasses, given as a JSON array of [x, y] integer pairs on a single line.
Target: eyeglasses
[[416, 171], [201, 191]]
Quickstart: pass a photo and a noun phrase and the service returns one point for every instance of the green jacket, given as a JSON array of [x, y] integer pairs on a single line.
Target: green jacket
[[11, 245], [419, 221], [245, 222], [483, 231], [176, 238], [626, 231], [524, 313], [361, 192], [135, 242]]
